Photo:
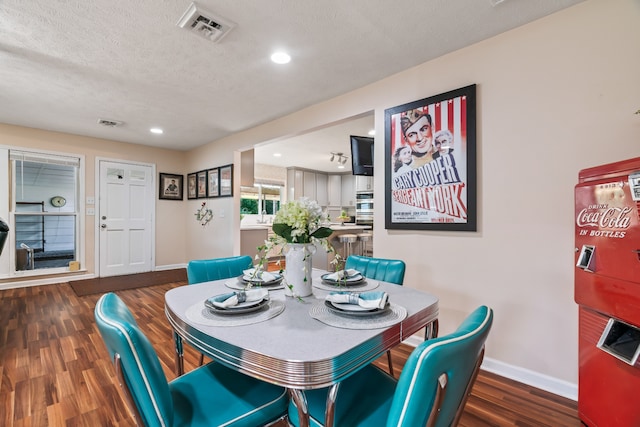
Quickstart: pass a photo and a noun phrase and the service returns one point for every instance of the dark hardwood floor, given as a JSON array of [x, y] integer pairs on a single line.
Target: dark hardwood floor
[[55, 370]]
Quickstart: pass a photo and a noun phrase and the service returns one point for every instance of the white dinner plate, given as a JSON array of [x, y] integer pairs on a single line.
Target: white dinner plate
[[241, 308], [260, 282], [353, 309], [351, 281]]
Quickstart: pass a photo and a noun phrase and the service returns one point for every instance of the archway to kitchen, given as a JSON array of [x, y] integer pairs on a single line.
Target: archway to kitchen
[[291, 166]]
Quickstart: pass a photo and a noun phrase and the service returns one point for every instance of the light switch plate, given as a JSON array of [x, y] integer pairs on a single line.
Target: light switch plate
[[91, 200]]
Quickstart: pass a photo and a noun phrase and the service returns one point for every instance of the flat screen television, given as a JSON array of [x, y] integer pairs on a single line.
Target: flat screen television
[[361, 155]]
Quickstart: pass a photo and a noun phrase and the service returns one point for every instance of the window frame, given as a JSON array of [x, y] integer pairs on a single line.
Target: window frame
[[36, 155]]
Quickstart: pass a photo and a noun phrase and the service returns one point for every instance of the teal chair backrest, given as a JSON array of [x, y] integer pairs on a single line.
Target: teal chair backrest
[[206, 270], [141, 368], [455, 355], [387, 270]]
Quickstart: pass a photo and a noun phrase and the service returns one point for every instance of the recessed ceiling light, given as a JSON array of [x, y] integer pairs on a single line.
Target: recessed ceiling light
[[372, 132], [277, 155], [156, 131], [281, 57]]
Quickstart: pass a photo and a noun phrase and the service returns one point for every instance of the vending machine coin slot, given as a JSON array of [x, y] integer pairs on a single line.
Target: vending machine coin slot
[[586, 260]]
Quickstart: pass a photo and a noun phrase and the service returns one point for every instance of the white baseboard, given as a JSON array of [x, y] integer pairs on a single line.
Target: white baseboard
[[522, 375], [169, 267], [44, 281]]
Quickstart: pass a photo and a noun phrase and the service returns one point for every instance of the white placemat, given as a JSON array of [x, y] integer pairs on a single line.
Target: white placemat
[[393, 315], [198, 313], [243, 286], [368, 285]]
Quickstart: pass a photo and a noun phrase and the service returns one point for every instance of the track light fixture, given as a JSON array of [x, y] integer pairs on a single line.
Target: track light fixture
[[339, 157]]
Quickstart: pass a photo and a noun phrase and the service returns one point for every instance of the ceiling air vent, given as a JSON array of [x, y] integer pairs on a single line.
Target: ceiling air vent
[[205, 24], [109, 123]]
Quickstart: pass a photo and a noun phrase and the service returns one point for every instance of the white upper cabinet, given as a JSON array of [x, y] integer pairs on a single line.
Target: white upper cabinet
[[334, 190], [309, 185], [321, 189], [348, 191], [364, 183]]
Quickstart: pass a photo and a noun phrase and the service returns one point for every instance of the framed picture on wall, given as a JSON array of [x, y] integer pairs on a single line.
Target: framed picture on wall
[[226, 181], [201, 178], [213, 179], [430, 163], [170, 186], [192, 185]]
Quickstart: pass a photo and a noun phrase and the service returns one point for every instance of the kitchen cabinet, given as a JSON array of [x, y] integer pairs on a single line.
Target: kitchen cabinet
[[321, 189], [295, 184], [309, 185], [334, 190], [364, 183], [348, 191]]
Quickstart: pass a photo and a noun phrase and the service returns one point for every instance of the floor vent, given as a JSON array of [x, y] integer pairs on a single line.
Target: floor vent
[[109, 123], [205, 24]]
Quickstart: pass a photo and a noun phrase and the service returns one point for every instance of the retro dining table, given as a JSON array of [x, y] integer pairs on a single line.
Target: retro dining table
[[298, 344]]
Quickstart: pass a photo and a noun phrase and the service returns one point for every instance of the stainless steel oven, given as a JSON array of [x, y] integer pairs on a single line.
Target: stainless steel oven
[[364, 207]]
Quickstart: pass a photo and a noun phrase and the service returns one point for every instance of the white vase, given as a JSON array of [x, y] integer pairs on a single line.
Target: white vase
[[297, 271]]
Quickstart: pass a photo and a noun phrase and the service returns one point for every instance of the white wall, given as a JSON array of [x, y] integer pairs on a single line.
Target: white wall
[[554, 96]]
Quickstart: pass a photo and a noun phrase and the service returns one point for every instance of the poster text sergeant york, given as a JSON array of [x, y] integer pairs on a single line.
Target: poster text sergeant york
[[435, 186]]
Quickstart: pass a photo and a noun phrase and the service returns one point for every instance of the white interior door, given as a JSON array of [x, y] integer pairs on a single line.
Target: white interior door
[[125, 218]]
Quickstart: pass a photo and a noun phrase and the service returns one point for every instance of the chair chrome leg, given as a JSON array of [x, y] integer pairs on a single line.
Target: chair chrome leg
[[300, 401], [177, 342], [390, 363], [329, 414]]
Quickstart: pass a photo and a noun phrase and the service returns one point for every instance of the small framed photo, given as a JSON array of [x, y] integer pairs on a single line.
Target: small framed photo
[[226, 181], [202, 184], [192, 186], [213, 179], [170, 186]]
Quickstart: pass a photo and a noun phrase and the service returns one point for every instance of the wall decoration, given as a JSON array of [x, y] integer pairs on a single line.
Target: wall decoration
[[201, 179], [192, 186], [204, 214], [430, 169], [226, 181], [213, 179], [170, 186]]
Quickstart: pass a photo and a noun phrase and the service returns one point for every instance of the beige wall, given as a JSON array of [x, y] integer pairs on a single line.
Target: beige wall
[[170, 239], [554, 97]]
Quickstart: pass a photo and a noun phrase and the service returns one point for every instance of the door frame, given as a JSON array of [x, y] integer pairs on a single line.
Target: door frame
[[96, 222]]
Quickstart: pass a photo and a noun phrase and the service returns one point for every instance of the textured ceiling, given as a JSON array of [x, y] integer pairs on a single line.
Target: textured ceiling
[[65, 64]]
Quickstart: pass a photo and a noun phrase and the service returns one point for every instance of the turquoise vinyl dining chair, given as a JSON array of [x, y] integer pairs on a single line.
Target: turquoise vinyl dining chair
[[432, 389], [387, 270], [207, 396], [206, 270]]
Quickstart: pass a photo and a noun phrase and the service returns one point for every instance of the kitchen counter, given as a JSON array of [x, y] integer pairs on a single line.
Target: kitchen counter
[[349, 227]]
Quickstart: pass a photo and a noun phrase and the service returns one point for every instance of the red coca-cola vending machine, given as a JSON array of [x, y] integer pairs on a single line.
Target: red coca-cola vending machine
[[607, 290]]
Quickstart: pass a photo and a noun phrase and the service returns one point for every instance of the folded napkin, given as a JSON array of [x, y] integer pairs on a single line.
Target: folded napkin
[[372, 300], [258, 274], [343, 274], [234, 298]]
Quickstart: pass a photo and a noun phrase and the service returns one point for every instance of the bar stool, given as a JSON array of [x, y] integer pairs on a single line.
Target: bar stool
[[364, 238], [347, 241]]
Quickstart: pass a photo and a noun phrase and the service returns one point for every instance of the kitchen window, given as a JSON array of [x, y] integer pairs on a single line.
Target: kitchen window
[[260, 198]]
